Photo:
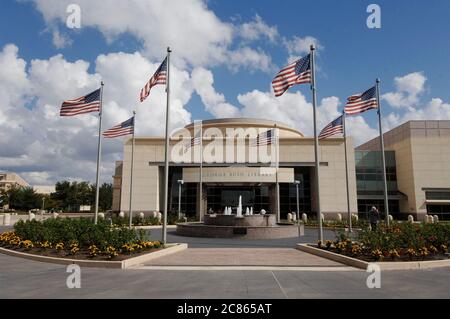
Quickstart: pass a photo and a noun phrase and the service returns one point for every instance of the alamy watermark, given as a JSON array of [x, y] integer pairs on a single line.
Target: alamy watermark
[[74, 279], [374, 19], [73, 20], [374, 279]]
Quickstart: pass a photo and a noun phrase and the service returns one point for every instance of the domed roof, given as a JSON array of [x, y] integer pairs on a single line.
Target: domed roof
[[285, 131]]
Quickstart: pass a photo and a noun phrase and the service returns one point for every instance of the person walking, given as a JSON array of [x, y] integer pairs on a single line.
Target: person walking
[[374, 218]]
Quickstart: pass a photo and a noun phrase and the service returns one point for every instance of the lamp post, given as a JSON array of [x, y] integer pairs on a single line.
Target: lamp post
[[180, 182], [297, 183]]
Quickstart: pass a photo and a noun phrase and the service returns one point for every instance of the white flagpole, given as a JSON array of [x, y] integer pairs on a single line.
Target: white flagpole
[[316, 143], [349, 213], [277, 141], [383, 157], [132, 168], [166, 161], [99, 154], [201, 171]]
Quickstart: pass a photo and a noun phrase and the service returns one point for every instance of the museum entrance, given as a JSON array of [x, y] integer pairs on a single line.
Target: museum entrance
[[221, 196]]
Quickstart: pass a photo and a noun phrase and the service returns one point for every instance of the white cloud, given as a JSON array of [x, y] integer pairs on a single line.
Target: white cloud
[[436, 109], [408, 90], [257, 29], [299, 46], [214, 102], [196, 35], [44, 147], [250, 59], [60, 41]]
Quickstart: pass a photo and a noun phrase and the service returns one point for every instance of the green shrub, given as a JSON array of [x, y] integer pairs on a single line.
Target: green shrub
[[80, 230]]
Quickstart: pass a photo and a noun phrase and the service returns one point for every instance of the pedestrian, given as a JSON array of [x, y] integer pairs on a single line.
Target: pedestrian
[[374, 217]]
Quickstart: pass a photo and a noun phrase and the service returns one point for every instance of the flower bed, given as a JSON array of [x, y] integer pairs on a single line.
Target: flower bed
[[401, 242], [77, 239]]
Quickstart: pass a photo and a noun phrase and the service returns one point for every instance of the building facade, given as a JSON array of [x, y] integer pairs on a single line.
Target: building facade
[[422, 157], [232, 168], [417, 168], [8, 180]]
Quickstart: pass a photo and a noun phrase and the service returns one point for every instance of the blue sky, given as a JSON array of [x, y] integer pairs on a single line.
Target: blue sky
[[413, 40]]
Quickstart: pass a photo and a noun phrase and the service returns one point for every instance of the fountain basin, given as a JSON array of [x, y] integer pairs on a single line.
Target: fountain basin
[[233, 220], [232, 226]]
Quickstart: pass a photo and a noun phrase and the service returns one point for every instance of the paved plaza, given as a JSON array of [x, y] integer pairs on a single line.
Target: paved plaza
[[234, 269]]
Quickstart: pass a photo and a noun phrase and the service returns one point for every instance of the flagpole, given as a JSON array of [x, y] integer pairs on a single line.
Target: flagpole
[[316, 142], [166, 160], [276, 173], [132, 168], [99, 154], [201, 171], [349, 213], [383, 157]]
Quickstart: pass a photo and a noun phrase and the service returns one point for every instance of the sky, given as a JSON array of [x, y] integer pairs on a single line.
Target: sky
[[225, 55]]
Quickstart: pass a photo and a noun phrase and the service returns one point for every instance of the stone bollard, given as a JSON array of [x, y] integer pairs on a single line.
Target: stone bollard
[[141, 215], [322, 217], [31, 216], [436, 219], [154, 214], [55, 215], [339, 217], [122, 215], [294, 216], [355, 217], [428, 219], [263, 211], [159, 217], [289, 217], [101, 215], [410, 219], [391, 219], [304, 218], [7, 219]]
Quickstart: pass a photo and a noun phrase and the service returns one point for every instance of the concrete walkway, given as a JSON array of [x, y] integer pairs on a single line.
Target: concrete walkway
[[21, 278], [243, 257]]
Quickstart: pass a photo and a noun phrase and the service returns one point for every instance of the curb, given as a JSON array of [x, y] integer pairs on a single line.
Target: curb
[[123, 264], [387, 265]]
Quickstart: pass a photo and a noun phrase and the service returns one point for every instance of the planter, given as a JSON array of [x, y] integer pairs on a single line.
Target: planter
[[361, 264], [120, 264]]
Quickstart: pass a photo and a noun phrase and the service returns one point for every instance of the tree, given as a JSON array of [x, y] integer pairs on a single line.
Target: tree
[[105, 196], [24, 198]]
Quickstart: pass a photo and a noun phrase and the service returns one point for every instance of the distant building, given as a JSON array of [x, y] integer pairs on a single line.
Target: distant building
[[8, 180], [117, 186], [419, 173], [43, 189], [417, 169]]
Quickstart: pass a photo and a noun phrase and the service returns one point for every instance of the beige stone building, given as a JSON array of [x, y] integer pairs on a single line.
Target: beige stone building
[[422, 157], [233, 167], [8, 180]]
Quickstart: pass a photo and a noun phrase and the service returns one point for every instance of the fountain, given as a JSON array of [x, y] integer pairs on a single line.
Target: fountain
[[239, 208], [249, 226]]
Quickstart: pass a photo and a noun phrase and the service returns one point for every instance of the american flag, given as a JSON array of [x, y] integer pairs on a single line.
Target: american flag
[[335, 127], [124, 128], [297, 72], [362, 102], [159, 77], [85, 104], [264, 138], [194, 141]]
